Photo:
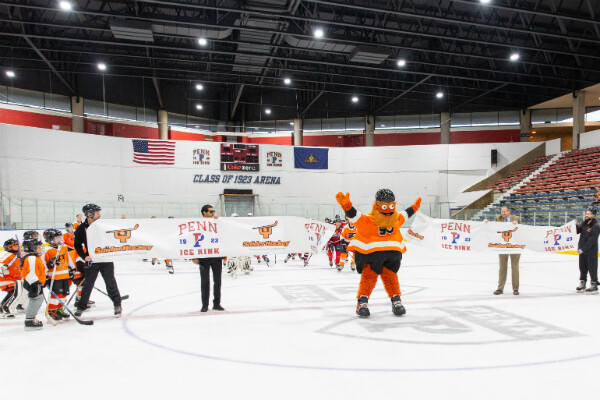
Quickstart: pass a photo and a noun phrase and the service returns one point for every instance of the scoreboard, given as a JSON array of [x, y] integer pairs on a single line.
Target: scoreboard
[[239, 157]]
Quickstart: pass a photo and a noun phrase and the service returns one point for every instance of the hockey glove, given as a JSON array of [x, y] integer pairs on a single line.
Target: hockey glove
[[417, 204], [344, 201], [71, 273]]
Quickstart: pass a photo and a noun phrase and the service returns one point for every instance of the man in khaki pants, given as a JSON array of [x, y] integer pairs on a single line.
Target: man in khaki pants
[[514, 258]]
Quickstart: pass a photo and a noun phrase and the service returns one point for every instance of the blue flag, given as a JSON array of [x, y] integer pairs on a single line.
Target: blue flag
[[311, 158]]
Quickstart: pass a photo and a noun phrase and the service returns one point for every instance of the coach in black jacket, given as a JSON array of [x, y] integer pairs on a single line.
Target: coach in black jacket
[[588, 252], [91, 269], [206, 264]]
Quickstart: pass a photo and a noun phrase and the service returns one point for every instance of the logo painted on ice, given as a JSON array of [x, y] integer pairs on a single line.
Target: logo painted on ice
[[198, 237]]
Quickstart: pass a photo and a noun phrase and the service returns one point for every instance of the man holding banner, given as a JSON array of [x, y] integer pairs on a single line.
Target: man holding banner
[[503, 258], [588, 252]]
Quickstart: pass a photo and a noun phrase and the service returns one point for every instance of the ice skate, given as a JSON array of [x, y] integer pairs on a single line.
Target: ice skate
[[581, 287], [397, 307], [593, 289], [362, 307], [33, 324]]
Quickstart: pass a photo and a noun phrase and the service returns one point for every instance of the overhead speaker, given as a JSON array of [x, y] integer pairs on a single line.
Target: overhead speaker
[[494, 156]]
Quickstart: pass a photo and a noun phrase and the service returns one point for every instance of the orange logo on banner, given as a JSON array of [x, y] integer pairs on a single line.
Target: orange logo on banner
[[410, 232], [123, 234], [506, 235], [266, 230]]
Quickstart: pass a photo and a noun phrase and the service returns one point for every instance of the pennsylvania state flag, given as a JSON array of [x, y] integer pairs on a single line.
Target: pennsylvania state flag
[[311, 158]]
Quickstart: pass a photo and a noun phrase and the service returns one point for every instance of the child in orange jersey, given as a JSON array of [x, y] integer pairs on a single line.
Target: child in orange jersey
[[34, 279], [57, 259], [347, 234], [378, 246], [10, 278], [68, 236]]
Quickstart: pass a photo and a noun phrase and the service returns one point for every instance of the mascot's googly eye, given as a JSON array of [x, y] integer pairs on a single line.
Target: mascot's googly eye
[[383, 207], [391, 206]]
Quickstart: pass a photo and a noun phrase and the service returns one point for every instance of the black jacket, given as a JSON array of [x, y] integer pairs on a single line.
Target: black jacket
[[588, 240], [80, 245]]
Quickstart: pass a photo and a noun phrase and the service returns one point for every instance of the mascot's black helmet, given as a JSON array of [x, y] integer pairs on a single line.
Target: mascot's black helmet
[[385, 195]]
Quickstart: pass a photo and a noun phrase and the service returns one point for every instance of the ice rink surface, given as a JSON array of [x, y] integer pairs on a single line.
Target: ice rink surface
[[291, 332]]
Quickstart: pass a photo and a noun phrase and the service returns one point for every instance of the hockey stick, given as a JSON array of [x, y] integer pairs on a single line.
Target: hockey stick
[[76, 291], [48, 318], [106, 294], [82, 322]]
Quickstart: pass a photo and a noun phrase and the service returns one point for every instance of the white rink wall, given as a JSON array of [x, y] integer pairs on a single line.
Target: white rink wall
[[47, 165]]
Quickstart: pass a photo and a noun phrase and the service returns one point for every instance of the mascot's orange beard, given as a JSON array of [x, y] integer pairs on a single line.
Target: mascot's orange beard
[[383, 221]]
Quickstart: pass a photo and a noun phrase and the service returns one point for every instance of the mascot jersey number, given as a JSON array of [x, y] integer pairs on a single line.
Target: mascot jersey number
[[378, 246]]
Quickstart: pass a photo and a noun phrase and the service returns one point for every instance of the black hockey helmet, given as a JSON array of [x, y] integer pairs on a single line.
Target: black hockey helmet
[[385, 195], [11, 245], [90, 209], [30, 235], [50, 234], [31, 245], [69, 225]]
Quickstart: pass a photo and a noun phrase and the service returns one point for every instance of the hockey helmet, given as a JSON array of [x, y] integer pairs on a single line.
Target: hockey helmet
[[31, 235], [11, 245], [51, 234], [90, 209], [31, 245], [69, 225], [234, 215]]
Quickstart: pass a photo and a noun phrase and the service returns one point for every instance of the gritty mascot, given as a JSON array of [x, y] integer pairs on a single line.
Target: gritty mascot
[[378, 246]]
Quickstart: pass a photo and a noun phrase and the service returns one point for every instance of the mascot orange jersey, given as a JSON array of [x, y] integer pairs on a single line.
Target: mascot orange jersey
[[378, 246]]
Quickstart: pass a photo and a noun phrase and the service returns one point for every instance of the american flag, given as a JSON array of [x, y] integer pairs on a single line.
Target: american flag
[[155, 152]]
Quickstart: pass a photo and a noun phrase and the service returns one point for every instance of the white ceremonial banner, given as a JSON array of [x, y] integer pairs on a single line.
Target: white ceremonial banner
[[184, 238], [497, 237]]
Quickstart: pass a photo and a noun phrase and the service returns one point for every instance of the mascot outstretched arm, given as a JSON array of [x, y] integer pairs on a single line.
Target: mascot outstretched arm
[[378, 246]]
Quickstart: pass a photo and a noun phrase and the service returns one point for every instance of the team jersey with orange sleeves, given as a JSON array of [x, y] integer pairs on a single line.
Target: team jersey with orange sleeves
[[34, 269], [370, 238], [11, 269], [69, 240], [60, 262], [349, 232]]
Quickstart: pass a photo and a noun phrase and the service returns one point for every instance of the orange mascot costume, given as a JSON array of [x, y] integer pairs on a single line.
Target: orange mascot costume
[[378, 246]]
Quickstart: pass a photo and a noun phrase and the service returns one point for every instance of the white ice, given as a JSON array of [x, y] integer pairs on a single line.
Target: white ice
[[291, 332]]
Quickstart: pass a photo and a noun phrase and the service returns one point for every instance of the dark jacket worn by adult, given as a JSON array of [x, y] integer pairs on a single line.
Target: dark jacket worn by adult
[[589, 231], [80, 240]]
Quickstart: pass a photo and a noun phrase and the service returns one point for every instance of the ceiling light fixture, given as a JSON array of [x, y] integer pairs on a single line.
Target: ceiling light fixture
[[355, 99], [65, 5], [10, 74], [318, 33], [514, 56], [268, 111], [199, 86], [401, 62], [439, 95], [202, 42], [102, 66], [287, 81], [199, 107]]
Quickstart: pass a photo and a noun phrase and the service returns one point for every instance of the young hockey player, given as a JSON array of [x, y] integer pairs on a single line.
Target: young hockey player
[[378, 246], [334, 245], [31, 235], [348, 233], [10, 278], [69, 237], [58, 272], [34, 278]]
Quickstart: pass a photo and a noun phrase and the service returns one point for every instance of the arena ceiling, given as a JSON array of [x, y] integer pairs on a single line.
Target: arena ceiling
[[153, 56]]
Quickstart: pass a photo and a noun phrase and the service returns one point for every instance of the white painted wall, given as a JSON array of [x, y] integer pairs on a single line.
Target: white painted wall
[[47, 166], [589, 139]]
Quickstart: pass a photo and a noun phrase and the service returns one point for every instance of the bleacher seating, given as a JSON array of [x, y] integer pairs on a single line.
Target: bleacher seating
[[517, 176], [558, 194]]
